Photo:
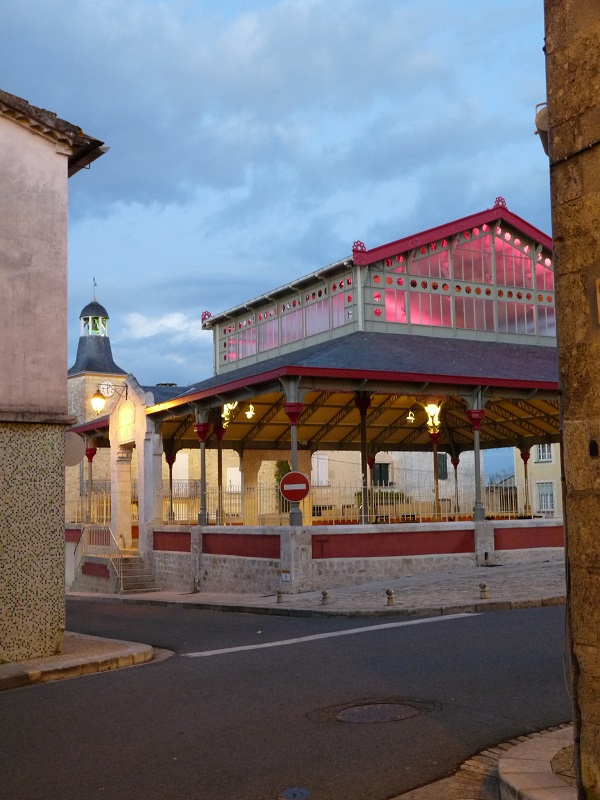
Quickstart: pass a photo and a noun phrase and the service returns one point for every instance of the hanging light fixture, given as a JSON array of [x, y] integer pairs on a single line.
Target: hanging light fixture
[[433, 406], [228, 409], [410, 417]]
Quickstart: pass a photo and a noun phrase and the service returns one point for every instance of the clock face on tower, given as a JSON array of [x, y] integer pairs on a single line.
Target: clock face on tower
[[107, 388]]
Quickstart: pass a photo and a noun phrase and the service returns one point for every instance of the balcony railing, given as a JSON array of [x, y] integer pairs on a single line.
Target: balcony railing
[[325, 505]]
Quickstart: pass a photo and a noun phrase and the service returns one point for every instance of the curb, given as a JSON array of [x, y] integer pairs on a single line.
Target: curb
[[16, 675], [281, 610], [525, 771]]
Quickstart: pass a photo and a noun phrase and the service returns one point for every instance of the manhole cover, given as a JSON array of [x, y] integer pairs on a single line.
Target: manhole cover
[[386, 709], [377, 712]]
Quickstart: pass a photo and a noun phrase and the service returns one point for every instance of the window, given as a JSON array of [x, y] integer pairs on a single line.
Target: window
[[543, 452], [545, 497], [381, 474], [442, 465], [234, 479], [319, 469]]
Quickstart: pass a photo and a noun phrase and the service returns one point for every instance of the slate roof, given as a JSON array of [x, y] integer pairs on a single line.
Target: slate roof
[[394, 357], [94, 354]]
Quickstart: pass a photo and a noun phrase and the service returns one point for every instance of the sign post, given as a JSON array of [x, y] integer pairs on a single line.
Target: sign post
[[294, 486]]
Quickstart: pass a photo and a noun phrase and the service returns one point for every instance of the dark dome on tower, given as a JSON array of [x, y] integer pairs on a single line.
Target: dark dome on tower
[[94, 353], [93, 309]]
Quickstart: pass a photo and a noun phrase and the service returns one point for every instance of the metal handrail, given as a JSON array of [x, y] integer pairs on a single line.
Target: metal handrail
[[99, 540]]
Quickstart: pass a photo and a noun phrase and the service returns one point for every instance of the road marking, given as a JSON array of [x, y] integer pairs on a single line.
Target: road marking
[[316, 636]]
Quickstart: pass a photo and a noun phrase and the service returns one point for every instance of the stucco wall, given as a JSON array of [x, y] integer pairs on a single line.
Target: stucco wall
[[33, 275]]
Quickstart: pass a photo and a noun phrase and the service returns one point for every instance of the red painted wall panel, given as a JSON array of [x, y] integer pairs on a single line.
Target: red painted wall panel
[[243, 544], [406, 543], [72, 534], [524, 538], [173, 541], [97, 570]]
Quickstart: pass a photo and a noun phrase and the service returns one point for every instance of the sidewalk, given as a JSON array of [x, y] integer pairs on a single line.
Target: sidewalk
[[524, 585], [519, 769]]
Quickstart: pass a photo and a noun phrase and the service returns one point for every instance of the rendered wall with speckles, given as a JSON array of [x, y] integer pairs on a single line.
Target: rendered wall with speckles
[[31, 540]]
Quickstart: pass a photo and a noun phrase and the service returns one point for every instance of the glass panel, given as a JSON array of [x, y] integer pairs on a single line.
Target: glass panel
[[544, 276], [247, 343], [432, 264], [513, 268], [474, 313], [268, 335], [232, 348], [337, 310], [291, 326], [446, 308], [473, 260], [316, 317], [546, 318], [395, 305]]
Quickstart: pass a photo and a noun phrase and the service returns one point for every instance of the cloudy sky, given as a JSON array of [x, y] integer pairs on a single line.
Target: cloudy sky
[[253, 141]]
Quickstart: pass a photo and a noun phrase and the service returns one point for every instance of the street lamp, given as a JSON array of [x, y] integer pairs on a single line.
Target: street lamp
[[433, 406], [103, 392]]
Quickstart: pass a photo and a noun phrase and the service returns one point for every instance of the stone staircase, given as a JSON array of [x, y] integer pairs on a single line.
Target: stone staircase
[[137, 577]]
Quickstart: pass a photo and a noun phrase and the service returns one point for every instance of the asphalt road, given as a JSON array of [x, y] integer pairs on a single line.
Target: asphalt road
[[251, 723]]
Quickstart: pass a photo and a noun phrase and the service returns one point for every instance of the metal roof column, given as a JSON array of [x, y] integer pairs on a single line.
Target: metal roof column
[[90, 452], [202, 429], [363, 401], [525, 454], [293, 411], [455, 461], [476, 416]]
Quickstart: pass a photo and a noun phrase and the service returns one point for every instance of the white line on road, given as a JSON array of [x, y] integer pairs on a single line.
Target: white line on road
[[316, 636]]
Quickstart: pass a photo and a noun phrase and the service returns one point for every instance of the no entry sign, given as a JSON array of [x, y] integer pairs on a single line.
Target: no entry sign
[[294, 486]]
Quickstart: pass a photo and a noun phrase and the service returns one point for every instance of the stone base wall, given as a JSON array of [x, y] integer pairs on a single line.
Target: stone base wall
[[238, 574], [107, 583], [32, 534], [334, 573], [312, 559], [533, 553], [173, 571]]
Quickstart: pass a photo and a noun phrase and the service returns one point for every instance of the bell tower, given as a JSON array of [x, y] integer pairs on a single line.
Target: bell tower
[[94, 364]]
